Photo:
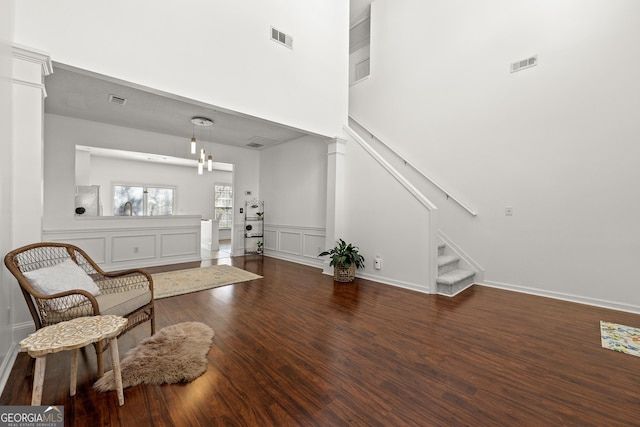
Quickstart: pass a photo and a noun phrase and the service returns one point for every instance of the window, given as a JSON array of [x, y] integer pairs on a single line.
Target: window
[[136, 200], [224, 205]]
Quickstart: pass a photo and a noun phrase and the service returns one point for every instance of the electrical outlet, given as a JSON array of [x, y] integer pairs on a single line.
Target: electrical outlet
[[508, 211], [377, 263], [136, 250]]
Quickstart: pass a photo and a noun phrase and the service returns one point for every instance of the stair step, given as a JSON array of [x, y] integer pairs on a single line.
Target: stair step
[[447, 263], [455, 281], [454, 276]]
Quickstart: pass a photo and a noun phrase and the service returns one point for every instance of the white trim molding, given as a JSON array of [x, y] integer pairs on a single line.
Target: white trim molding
[[298, 244], [23, 71], [117, 243], [611, 305]]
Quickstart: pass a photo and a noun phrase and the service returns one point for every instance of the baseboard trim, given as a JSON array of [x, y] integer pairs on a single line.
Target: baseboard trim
[[7, 365], [19, 332], [611, 305], [397, 283], [293, 258]]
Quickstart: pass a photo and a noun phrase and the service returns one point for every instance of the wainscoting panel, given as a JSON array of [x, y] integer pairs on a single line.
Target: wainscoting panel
[[117, 243], [177, 244], [270, 240], [96, 247], [295, 243], [136, 247], [290, 242], [313, 244]]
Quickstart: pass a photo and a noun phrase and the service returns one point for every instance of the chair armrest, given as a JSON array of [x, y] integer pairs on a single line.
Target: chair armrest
[[65, 305]]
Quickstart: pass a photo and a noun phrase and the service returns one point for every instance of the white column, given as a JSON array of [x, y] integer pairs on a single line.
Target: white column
[[335, 195], [29, 69], [26, 153]]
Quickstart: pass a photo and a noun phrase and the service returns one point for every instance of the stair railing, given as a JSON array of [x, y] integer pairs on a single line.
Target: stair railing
[[432, 227], [415, 168]]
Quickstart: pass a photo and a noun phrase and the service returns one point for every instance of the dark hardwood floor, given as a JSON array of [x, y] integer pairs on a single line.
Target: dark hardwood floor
[[296, 349]]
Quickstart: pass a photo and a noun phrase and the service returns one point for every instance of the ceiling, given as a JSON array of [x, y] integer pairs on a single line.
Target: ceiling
[[81, 94], [84, 95]]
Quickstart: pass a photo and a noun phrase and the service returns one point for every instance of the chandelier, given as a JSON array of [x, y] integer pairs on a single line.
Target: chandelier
[[201, 122]]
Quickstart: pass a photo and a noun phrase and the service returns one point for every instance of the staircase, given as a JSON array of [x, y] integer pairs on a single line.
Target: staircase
[[451, 279]]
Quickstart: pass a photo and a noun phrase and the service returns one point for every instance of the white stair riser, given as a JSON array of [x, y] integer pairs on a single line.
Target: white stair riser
[[453, 265], [455, 287]]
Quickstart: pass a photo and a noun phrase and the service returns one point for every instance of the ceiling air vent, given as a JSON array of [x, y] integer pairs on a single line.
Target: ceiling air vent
[[117, 100], [525, 63], [282, 38], [257, 141]]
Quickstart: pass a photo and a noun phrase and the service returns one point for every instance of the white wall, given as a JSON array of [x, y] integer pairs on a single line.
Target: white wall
[[385, 220], [6, 145], [557, 142], [293, 185], [293, 182], [214, 51], [194, 193], [62, 134]]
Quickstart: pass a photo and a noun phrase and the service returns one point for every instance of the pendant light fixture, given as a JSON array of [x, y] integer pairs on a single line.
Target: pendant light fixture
[[202, 122]]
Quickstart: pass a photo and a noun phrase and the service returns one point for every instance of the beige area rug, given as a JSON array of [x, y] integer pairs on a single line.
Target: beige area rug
[[177, 353], [181, 282]]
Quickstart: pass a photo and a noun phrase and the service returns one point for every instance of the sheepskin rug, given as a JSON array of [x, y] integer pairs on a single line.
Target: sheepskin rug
[[176, 353]]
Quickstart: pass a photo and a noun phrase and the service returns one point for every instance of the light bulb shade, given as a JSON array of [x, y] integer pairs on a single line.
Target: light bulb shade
[[210, 163], [202, 154], [200, 166], [193, 145]]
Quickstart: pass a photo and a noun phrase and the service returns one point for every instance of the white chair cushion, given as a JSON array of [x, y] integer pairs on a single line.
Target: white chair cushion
[[123, 303]]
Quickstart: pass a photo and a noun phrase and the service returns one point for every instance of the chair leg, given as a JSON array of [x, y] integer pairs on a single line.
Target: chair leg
[[99, 354], [31, 369], [153, 322]]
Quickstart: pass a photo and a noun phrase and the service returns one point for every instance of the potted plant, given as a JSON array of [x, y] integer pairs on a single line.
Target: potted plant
[[260, 244], [345, 258]]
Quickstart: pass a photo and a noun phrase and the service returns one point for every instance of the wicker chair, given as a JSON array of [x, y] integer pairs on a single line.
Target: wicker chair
[[127, 293]]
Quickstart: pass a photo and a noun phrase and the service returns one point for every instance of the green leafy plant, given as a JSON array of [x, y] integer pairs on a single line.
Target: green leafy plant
[[343, 255]]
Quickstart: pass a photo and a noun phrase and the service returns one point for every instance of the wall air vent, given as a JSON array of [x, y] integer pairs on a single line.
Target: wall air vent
[[254, 145], [525, 63], [282, 38], [117, 100]]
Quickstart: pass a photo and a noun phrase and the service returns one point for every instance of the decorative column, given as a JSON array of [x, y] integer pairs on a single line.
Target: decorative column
[[335, 195], [25, 149], [29, 69]]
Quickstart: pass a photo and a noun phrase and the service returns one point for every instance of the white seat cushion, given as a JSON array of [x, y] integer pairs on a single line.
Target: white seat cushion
[[123, 303]]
